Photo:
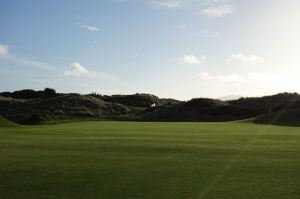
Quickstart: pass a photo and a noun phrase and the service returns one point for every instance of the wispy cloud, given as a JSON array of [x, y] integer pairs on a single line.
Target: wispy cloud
[[207, 8], [239, 57], [208, 34], [222, 78], [88, 27], [191, 59], [34, 63], [3, 50], [73, 70], [216, 11], [91, 28], [235, 77], [77, 70], [5, 54], [167, 3]]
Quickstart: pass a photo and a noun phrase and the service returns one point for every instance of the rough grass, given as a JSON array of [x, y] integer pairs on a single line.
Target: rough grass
[[131, 160], [289, 117], [6, 123]]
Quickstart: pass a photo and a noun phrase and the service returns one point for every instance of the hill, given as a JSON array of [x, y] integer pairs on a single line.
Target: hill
[[31, 94], [63, 106], [289, 117], [137, 100], [285, 114], [203, 109], [262, 105], [6, 123], [34, 107]]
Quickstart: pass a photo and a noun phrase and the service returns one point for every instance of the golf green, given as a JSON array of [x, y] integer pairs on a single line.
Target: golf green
[[102, 159]]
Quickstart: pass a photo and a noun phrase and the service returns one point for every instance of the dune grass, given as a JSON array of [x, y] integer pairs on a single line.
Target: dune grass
[[102, 159]]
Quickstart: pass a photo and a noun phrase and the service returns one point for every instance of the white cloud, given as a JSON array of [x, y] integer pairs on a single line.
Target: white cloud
[[254, 59], [191, 59], [211, 12], [4, 50], [88, 27], [208, 8], [92, 28], [190, 4], [75, 69], [166, 3]]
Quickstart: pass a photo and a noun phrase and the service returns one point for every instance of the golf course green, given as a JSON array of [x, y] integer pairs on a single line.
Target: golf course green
[[133, 160]]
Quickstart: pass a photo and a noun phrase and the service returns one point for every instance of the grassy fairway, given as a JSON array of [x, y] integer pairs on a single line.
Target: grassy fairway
[[150, 160]]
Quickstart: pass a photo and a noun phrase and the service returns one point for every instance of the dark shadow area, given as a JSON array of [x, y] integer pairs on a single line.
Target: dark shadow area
[[290, 117]]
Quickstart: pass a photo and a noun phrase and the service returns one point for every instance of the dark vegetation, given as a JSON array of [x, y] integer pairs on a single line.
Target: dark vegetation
[[36, 107], [211, 110], [285, 117], [136, 100], [31, 94]]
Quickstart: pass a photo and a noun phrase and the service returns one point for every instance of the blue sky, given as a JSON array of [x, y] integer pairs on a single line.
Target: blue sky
[[171, 48]]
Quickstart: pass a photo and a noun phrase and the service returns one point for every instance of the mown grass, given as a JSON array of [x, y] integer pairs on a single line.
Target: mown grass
[[102, 159]]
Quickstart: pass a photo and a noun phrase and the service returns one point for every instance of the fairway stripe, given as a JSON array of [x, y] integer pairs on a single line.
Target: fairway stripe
[[229, 165]]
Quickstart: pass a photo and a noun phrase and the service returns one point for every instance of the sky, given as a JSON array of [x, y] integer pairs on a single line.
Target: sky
[[179, 49]]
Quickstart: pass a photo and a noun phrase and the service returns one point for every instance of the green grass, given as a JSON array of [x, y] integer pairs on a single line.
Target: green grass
[[102, 159], [6, 123]]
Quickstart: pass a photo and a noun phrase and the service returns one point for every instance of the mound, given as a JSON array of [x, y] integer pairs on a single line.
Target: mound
[[70, 105], [78, 105], [288, 117], [263, 105], [201, 109], [34, 107], [136, 100], [6, 123]]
